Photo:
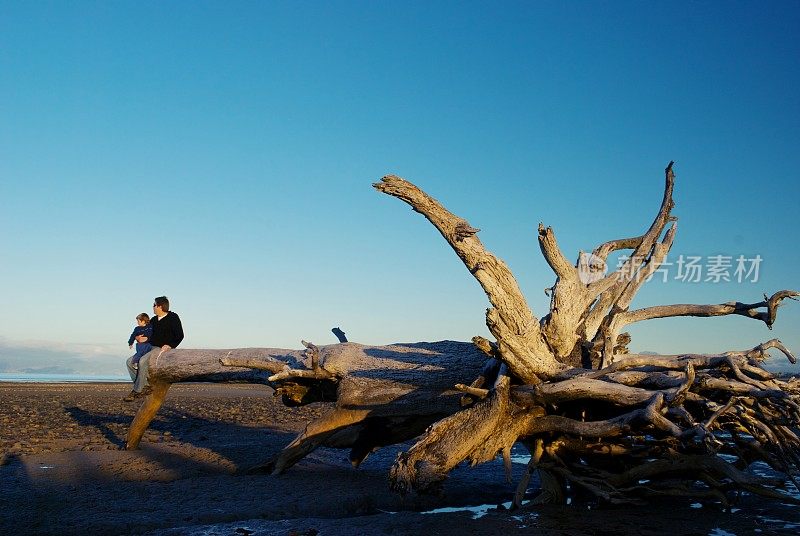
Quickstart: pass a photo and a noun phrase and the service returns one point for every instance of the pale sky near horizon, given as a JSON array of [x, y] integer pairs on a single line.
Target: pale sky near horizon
[[222, 153]]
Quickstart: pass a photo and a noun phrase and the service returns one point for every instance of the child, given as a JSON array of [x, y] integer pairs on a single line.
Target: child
[[143, 328]]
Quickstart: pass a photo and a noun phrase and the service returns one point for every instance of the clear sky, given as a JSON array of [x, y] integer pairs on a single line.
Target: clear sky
[[222, 153]]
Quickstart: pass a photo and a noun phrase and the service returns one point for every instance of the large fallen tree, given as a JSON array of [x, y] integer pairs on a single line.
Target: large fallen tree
[[599, 422], [376, 395]]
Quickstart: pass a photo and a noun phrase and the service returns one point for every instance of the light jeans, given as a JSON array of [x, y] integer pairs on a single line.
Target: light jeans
[[139, 376]]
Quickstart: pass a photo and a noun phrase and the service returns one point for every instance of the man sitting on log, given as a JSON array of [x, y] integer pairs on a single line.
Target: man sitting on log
[[167, 334]]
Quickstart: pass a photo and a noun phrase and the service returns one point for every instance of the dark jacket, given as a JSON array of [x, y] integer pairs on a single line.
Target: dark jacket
[[147, 331], [168, 330]]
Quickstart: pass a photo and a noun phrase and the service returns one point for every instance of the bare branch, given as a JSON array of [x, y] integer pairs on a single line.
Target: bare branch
[[258, 364], [580, 388], [512, 322], [613, 323], [680, 392], [674, 362], [749, 310], [320, 374], [553, 255], [610, 427], [474, 391], [645, 242], [312, 352], [603, 250], [759, 352], [740, 388]]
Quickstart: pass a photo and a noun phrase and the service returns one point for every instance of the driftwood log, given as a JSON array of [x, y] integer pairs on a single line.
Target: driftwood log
[[599, 422], [192, 365], [378, 395]]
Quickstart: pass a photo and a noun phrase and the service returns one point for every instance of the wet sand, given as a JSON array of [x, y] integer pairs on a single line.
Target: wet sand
[[63, 470]]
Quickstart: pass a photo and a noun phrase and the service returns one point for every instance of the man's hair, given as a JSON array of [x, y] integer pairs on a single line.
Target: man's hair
[[143, 317], [163, 302]]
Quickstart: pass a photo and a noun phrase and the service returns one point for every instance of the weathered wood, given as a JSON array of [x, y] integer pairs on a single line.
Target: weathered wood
[[597, 419], [685, 408], [198, 365], [144, 416], [476, 433], [581, 388], [749, 310], [339, 334], [510, 319], [410, 385]]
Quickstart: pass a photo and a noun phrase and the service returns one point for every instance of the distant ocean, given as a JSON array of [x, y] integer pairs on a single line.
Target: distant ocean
[[58, 378]]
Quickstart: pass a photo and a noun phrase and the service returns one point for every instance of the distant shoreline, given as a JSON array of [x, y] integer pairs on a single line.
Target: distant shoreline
[[23, 377]]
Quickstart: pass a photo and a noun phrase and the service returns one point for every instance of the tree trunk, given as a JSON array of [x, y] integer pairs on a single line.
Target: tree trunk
[[620, 427], [180, 365], [379, 395]]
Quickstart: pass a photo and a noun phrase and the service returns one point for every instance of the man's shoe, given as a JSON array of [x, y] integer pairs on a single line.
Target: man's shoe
[[144, 392], [131, 397]]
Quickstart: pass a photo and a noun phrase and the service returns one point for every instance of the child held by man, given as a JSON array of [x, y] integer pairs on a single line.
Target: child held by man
[[144, 328]]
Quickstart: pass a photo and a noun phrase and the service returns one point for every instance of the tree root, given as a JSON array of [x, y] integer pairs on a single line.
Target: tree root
[[694, 439]]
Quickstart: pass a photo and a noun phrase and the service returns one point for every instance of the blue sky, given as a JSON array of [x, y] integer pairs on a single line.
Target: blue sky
[[222, 153]]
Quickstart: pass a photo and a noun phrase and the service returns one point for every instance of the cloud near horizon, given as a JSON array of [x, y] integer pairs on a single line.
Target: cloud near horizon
[[54, 357]]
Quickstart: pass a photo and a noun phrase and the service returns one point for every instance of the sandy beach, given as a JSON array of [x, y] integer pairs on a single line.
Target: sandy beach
[[63, 471]]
